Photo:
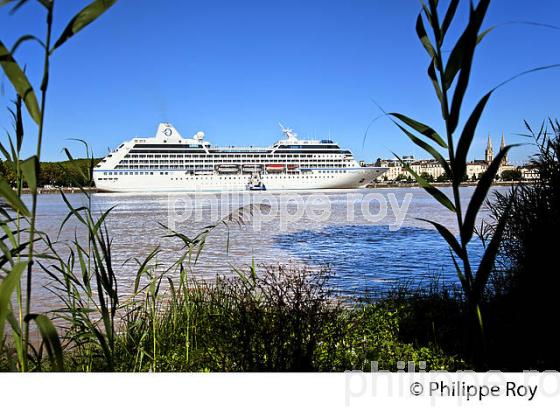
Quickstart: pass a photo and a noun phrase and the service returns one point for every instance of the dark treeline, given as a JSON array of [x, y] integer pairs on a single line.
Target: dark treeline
[[54, 174]]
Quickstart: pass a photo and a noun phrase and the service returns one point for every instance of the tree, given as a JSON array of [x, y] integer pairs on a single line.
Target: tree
[[427, 177], [511, 175], [443, 178]]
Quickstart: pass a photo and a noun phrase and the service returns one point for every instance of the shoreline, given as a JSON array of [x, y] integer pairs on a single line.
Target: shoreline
[[441, 184], [72, 190]]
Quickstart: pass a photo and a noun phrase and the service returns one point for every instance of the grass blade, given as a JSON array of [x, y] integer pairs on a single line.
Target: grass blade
[[428, 148], [480, 193], [487, 262], [83, 18], [423, 36], [50, 339], [448, 236], [466, 139], [20, 82], [421, 128], [429, 188], [30, 169], [449, 17], [12, 198], [466, 49], [7, 287]]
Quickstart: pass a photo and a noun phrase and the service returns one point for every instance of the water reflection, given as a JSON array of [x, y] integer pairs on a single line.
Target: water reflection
[[368, 257], [360, 251]]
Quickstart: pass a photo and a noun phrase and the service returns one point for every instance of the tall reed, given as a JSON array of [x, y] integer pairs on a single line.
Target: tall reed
[[450, 73], [21, 255]]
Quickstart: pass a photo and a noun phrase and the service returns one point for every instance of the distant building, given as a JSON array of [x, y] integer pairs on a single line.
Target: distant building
[[474, 169], [489, 151], [529, 173], [502, 146]]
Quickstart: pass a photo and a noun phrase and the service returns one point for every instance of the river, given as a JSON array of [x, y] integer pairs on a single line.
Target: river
[[368, 238]]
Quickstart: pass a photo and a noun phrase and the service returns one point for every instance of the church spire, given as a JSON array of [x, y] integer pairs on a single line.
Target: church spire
[[502, 146], [489, 152]]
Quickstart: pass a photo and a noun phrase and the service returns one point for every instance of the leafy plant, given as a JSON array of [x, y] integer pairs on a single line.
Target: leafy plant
[[450, 78], [21, 254]]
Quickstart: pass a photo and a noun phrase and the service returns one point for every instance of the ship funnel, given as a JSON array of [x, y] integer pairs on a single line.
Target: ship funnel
[[167, 131]]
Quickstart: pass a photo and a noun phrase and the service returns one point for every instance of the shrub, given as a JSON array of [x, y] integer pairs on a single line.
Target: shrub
[[527, 280]]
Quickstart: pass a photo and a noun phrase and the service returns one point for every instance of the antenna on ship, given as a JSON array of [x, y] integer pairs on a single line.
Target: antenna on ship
[[288, 132]]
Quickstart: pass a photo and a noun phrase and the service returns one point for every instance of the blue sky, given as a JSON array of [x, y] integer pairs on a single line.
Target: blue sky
[[234, 69]]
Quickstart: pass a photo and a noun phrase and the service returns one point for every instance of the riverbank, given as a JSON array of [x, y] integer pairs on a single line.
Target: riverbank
[[66, 190], [71, 190], [396, 184], [267, 318]]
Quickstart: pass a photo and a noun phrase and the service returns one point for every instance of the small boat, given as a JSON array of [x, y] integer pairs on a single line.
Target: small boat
[[275, 167], [293, 167], [255, 183], [227, 168], [256, 187], [251, 168]]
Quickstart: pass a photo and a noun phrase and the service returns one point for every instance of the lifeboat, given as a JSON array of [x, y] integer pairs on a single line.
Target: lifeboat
[[293, 167], [275, 168], [251, 168], [227, 168]]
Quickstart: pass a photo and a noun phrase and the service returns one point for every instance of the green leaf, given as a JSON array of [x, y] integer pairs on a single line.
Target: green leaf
[[83, 18], [483, 34], [434, 20], [429, 188], [489, 257], [448, 236], [20, 83], [23, 39], [435, 83], [30, 169], [421, 128], [423, 36], [479, 317], [449, 16], [464, 282], [480, 194], [464, 144], [142, 268], [7, 287], [19, 123], [428, 148], [50, 339], [16, 6], [468, 46], [46, 3], [12, 198], [457, 56], [101, 220]]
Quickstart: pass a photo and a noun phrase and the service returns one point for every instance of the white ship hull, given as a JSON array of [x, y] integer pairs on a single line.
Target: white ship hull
[[179, 181]]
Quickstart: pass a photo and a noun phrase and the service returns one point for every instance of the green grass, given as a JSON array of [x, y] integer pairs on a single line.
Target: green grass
[[280, 319]]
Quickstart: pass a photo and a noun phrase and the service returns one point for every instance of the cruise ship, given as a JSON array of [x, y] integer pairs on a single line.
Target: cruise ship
[[169, 162]]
